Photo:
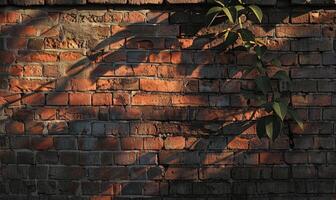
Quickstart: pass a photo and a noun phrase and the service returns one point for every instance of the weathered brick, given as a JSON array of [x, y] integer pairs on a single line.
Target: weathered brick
[[151, 99], [181, 174], [79, 99], [159, 85], [311, 45], [101, 99], [66, 172], [177, 142], [298, 31]]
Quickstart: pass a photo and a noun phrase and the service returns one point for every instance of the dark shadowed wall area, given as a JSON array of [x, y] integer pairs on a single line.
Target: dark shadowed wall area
[[109, 99]]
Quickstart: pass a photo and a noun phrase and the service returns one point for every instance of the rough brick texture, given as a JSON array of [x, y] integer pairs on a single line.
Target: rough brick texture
[[128, 103]]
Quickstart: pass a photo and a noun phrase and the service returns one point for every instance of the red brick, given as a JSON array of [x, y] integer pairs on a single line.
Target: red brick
[[181, 57], [52, 71], [131, 143], [70, 56], [204, 57], [121, 98], [209, 86], [153, 143], [37, 57], [159, 57], [214, 173], [312, 100], [25, 30], [217, 158], [24, 85], [102, 99], [157, 17], [14, 127], [79, 99], [7, 57], [189, 100], [35, 128], [118, 84], [145, 70], [125, 158], [238, 143], [143, 128], [134, 17], [46, 113], [271, 158], [137, 56], [300, 18], [32, 70], [159, 85], [57, 99], [8, 98], [42, 143], [181, 174], [322, 17], [177, 142], [35, 99], [15, 70], [109, 143], [151, 99], [82, 85], [13, 17], [16, 43], [298, 31]]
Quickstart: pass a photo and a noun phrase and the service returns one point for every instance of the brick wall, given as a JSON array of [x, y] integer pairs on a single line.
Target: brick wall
[[128, 102]]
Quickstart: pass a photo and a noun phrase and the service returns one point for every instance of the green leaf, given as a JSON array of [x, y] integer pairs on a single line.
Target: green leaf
[[260, 67], [257, 12], [246, 34], [229, 14], [239, 7], [282, 75], [215, 9], [220, 3], [260, 51], [296, 117], [280, 108], [263, 84], [261, 131], [269, 126], [230, 38], [276, 62]]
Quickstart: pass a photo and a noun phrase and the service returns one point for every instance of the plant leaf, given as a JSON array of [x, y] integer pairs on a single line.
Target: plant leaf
[[296, 117], [260, 67], [239, 7], [228, 14], [282, 75], [260, 51], [220, 3], [246, 34], [261, 132], [280, 108], [269, 127], [263, 83], [230, 38], [257, 12], [215, 9]]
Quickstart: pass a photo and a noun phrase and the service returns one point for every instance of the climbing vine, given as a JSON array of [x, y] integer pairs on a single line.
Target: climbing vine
[[266, 93]]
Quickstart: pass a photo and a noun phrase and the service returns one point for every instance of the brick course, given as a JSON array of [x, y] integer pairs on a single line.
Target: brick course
[[127, 102]]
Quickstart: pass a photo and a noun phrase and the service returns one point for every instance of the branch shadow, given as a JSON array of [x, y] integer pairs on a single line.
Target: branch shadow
[[113, 160]]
